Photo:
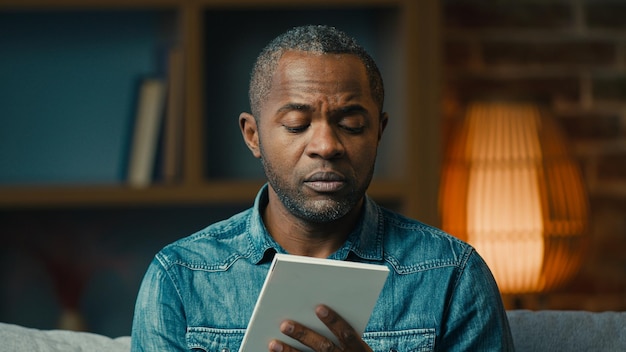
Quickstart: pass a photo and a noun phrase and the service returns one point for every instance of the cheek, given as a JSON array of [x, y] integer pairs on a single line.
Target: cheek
[[277, 151], [363, 159], [364, 151]]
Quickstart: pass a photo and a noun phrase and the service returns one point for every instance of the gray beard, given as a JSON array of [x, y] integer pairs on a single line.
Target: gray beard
[[298, 205]]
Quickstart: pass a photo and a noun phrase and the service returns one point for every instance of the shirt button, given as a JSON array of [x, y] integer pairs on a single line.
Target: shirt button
[[225, 350], [393, 350]]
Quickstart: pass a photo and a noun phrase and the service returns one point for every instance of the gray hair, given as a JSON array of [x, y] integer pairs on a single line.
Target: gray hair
[[315, 39]]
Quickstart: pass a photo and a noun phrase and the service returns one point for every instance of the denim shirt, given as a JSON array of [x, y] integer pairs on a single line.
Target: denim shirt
[[199, 292]]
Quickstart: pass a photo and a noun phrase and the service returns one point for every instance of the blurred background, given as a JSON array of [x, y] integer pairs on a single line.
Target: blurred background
[[77, 236]]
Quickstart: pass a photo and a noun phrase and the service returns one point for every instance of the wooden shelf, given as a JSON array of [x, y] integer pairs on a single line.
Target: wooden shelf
[[69, 72], [63, 196], [215, 192], [38, 5], [405, 35]]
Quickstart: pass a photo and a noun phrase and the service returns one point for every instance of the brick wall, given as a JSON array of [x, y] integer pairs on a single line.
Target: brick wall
[[571, 55]]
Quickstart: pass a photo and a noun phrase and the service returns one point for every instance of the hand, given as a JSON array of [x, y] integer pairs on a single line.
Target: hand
[[349, 340]]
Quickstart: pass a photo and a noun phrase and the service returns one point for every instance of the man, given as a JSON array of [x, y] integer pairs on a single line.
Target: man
[[317, 99]]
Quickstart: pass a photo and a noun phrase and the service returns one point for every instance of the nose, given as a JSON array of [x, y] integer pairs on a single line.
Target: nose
[[325, 142]]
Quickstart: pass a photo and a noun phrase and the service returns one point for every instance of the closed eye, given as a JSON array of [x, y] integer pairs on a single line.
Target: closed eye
[[296, 129], [295, 117], [353, 130], [296, 120], [352, 119]]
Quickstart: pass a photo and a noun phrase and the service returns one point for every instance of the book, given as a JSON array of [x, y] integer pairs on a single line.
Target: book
[[295, 285], [148, 123], [173, 124]]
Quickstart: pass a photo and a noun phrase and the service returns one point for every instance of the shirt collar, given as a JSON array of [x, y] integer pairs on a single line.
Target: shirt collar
[[365, 241]]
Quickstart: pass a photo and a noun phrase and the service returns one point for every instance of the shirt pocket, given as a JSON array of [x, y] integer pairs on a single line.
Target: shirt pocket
[[413, 340], [214, 340]]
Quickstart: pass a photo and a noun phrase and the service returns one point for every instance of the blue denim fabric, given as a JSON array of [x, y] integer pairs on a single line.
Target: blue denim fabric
[[199, 292]]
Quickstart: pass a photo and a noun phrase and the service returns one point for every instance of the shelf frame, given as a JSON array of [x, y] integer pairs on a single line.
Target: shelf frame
[[416, 189]]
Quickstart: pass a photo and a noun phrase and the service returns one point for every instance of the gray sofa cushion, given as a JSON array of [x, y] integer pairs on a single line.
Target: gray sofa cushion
[[555, 331], [552, 331], [18, 338]]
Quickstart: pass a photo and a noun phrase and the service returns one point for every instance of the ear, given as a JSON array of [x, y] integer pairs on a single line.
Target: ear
[[384, 118], [250, 132]]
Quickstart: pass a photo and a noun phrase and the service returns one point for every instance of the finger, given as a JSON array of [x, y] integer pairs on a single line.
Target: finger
[[279, 346], [347, 336], [305, 336]]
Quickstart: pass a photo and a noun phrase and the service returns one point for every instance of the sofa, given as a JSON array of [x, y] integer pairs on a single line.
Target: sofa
[[536, 331]]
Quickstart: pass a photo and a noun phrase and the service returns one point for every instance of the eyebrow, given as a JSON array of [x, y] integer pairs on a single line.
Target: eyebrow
[[344, 110], [295, 106]]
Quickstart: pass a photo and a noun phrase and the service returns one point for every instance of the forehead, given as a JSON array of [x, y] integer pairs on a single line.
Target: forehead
[[295, 57], [342, 71]]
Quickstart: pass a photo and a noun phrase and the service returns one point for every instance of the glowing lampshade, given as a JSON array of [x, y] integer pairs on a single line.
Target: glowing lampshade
[[510, 188]]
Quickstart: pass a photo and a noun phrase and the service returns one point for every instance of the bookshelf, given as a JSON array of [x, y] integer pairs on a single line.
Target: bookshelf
[[219, 39]]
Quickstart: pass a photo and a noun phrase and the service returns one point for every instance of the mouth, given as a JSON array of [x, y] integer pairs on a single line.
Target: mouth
[[325, 182]]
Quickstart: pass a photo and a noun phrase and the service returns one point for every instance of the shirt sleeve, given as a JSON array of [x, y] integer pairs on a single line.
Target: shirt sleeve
[[159, 322], [476, 319]]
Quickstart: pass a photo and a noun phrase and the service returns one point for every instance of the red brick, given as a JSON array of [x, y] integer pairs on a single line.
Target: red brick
[[601, 282], [591, 126], [609, 88], [506, 14], [540, 88], [612, 168], [457, 53], [605, 14], [570, 53]]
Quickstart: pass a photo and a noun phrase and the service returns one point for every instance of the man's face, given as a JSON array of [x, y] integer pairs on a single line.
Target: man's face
[[318, 134]]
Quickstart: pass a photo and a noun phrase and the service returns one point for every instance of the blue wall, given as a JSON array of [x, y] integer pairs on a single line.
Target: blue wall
[[68, 83]]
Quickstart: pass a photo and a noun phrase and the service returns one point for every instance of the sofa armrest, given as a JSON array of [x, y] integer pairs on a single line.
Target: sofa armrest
[[551, 330]]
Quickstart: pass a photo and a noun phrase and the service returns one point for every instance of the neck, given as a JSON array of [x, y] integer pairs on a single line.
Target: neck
[[301, 237]]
